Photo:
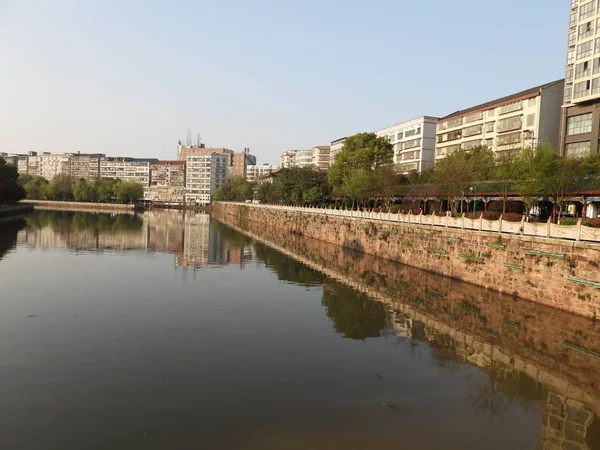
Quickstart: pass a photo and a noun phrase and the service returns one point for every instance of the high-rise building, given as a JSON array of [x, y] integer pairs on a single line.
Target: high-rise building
[[523, 119], [413, 142], [85, 166], [334, 148], [203, 175], [167, 181], [580, 125], [321, 156]]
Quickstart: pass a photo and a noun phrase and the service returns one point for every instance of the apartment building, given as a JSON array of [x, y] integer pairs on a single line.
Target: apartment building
[[580, 125], [321, 156], [413, 142], [257, 172], [128, 169], [288, 159], [523, 119], [10, 158], [203, 175], [86, 166], [334, 148], [49, 165], [240, 163], [303, 158], [167, 181]]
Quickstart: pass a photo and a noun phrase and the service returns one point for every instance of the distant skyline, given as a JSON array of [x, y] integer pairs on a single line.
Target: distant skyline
[[128, 78]]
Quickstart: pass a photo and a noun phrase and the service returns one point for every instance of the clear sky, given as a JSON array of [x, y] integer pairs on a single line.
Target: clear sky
[[129, 77]]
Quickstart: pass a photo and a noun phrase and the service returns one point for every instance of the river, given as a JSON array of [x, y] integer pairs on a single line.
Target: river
[[174, 331]]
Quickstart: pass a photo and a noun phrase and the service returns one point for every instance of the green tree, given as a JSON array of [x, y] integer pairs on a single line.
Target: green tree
[[36, 188], [60, 188], [237, 189], [128, 191], [298, 186], [10, 190], [565, 175], [505, 175], [358, 185], [385, 183], [533, 168], [104, 189], [364, 151], [82, 191]]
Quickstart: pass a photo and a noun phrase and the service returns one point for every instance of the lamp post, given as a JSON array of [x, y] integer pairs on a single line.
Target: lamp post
[[473, 190]]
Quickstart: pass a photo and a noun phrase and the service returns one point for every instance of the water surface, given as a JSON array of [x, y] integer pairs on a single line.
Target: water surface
[[172, 331]]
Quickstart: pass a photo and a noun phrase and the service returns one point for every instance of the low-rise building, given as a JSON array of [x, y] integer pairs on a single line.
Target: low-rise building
[[288, 159], [321, 157], [334, 148], [413, 142], [518, 120], [257, 172], [203, 175], [240, 163], [167, 181]]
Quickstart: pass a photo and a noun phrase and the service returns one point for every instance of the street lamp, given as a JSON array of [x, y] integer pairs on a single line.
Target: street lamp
[[473, 190]]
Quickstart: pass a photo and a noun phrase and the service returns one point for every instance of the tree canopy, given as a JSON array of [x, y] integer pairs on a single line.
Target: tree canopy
[[10, 190], [237, 189], [298, 186]]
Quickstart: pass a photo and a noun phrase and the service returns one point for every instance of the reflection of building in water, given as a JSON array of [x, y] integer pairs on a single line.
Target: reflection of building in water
[[196, 242]]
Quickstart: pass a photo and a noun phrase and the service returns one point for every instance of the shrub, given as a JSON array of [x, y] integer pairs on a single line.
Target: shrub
[[513, 217], [395, 209], [568, 222], [511, 207], [594, 223], [491, 215]]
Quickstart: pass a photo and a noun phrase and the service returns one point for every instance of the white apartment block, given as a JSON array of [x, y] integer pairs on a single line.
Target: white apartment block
[[508, 123], [414, 144], [288, 159], [47, 165], [321, 157], [254, 173], [580, 126], [85, 166], [203, 175], [334, 149], [304, 158]]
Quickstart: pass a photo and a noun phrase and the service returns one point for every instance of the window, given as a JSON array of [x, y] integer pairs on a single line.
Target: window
[[579, 124], [586, 10], [491, 113], [489, 127], [455, 122], [569, 76], [509, 124], [597, 46], [410, 133], [570, 57], [584, 50], [572, 38], [512, 138], [489, 143], [586, 30], [412, 144], [596, 65], [596, 86], [533, 101], [530, 120], [583, 69], [582, 89], [578, 149], [472, 131], [573, 20], [474, 117], [400, 135], [472, 144], [511, 107]]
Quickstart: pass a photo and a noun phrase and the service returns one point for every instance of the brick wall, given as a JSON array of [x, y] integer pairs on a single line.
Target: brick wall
[[548, 271]]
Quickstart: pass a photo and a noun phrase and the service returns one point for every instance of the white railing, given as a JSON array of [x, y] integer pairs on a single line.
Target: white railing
[[576, 232]]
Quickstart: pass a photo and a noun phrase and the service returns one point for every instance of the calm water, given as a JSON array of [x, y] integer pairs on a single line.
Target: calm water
[[168, 332]]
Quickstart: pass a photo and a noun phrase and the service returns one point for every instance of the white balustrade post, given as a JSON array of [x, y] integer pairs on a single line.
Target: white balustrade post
[[481, 222], [500, 223], [420, 218], [447, 220], [522, 230], [578, 238], [549, 227]]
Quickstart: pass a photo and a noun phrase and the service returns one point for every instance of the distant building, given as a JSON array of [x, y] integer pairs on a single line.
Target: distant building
[[334, 148], [303, 158], [86, 166], [288, 159], [204, 174], [413, 142], [321, 157], [128, 169], [49, 165], [518, 120], [257, 172], [241, 162], [10, 159], [167, 181]]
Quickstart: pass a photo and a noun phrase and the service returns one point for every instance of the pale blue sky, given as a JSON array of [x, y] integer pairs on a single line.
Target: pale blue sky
[[129, 77]]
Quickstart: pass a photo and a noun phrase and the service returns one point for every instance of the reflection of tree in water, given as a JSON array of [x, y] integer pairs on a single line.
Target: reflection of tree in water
[[8, 234], [443, 351], [66, 222], [233, 238], [503, 389], [286, 268], [354, 315]]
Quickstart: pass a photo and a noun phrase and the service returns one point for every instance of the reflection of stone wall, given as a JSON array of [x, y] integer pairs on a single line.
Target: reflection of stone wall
[[486, 327], [533, 268], [565, 424]]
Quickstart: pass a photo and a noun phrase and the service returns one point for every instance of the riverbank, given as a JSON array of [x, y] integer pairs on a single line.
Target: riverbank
[[557, 273], [15, 210], [81, 206]]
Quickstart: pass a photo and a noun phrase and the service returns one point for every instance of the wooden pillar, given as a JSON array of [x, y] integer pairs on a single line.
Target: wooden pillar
[[584, 210], [553, 212]]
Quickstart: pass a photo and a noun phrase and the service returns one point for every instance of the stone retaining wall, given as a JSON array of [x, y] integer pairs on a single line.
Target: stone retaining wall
[[80, 206], [561, 274]]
